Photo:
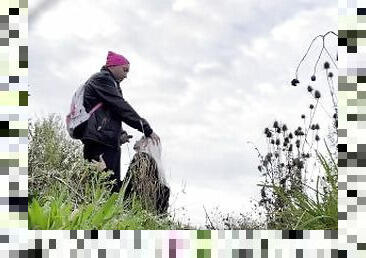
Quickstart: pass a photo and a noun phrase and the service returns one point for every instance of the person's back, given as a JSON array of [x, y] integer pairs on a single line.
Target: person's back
[[103, 131]]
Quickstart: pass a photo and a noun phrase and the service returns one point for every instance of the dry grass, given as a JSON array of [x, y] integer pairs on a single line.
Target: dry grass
[[143, 181]]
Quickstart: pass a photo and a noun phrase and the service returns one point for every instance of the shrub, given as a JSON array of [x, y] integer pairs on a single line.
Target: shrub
[[67, 192], [55, 162]]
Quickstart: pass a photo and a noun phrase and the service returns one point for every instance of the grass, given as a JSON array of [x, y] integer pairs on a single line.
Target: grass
[[67, 192], [59, 214], [317, 210]]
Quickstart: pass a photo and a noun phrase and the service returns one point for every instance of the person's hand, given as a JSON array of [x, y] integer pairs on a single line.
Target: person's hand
[[125, 137], [101, 163], [155, 138]]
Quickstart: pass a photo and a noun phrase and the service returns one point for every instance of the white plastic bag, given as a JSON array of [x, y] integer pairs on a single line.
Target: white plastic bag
[[146, 145]]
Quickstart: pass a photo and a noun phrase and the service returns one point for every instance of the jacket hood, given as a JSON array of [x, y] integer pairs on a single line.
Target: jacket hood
[[105, 69]]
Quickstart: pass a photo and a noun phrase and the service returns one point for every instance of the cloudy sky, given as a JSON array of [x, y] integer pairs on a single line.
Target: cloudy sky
[[207, 75]]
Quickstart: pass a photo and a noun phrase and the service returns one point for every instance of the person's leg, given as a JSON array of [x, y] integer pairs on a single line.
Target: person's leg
[[116, 167], [92, 151], [112, 159]]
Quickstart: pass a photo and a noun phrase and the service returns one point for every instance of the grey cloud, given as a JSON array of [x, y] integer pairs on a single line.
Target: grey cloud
[[182, 101], [36, 11]]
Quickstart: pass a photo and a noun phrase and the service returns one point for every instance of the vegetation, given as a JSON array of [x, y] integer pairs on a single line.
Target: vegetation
[[293, 196], [298, 185], [228, 221], [67, 192]]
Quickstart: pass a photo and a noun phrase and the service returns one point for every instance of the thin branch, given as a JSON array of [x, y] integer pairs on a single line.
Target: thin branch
[[331, 32], [331, 58], [256, 148], [326, 112], [307, 51], [311, 120], [317, 61], [321, 51], [208, 217], [330, 90]]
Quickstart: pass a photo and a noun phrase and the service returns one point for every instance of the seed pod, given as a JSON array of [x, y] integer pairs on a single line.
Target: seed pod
[[317, 127], [284, 128], [299, 128], [335, 115], [310, 89], [275, 124], [297, 143], [266, 130], [278, 142], [260, 168], [317, 138], [294, 82], [290, 148], [287, 140], [272, 141], [290, 136], [303, 116], [312, 127], [330, 75], [317, 94], [313, 78], [326, 65], [278, 130], [269, 135]]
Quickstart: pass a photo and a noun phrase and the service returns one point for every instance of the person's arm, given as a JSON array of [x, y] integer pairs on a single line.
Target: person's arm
[[108, 93]]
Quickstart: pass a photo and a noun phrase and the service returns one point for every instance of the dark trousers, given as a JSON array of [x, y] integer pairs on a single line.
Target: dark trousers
[[111, 157]]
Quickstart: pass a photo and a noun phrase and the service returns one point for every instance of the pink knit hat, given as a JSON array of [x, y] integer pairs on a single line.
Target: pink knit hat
[[114, 59]]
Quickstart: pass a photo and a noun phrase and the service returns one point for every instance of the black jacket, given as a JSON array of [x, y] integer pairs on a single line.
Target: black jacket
[[104, 126]]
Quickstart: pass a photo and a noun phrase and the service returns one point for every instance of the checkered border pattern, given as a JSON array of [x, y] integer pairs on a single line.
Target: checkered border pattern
[[17, 241], [351, 132], [13, 126]]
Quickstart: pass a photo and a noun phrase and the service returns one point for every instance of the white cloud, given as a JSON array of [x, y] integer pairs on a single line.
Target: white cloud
[[303, 25], [207, 67], [77, 19], [181, 5], [259, 48]]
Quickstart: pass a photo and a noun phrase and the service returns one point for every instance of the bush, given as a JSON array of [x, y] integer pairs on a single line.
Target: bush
[[312, 209], [55, 163], [67, 192]]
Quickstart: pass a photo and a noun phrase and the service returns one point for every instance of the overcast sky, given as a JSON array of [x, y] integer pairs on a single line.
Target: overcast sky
[[207, 75]]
